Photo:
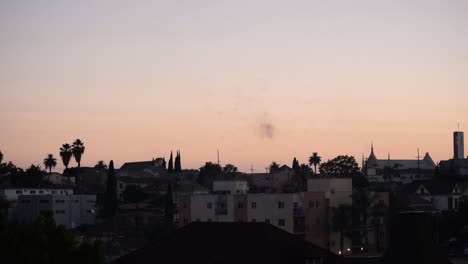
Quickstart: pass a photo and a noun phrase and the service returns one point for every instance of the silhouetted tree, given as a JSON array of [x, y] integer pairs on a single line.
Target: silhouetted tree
[[341, 222], [50, 162], [177, 164], [111, 203], [341, 166], [78, 150], [170, 166], [43, 242], [66, 153], [304, 173], [315, 160], [230, 170], [273, 166], [101, 165], [169, 209], [295, 166], [208, 173]]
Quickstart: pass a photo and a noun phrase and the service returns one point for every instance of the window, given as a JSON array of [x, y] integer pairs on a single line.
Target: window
[[281, 222], [296, 205], [280, 205], [198, 220], [311, 204], [19, 191], [254, 205], [185, 220], [209, 205], [25, 201], [89, 211], [317, 204], [43, 201], [184, 205], [254, 220], [60, 211], [59, 201], [54, 192], [240, 205], [222, 205], [76, 201], [421, 190], [210, 220], [32, 192], [41, 192], [267, 221], [317, 221], [120, 185], [240, 220]]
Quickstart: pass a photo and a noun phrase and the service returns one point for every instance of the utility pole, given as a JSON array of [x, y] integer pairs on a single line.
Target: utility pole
[[251, 169], [218, 156]]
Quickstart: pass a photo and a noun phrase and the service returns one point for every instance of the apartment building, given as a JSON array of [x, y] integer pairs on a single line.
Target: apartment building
[[306, 214], [12, 195], [70, 211]]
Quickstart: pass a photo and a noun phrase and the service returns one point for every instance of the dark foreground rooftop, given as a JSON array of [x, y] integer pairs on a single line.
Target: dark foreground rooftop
[[231, 243]]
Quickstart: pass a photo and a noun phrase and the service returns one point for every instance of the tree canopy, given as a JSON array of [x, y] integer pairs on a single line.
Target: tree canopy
[[341, 166]]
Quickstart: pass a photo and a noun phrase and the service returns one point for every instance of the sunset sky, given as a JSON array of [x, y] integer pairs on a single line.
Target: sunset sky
[[258, 80]]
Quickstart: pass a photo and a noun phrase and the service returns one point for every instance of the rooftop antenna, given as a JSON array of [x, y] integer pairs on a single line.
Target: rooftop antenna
[[418, 161], [251, 169], [218, 155]]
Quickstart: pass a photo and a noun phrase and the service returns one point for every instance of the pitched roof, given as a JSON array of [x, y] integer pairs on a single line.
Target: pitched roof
[[230, 243], [435, 187], [134, 166]]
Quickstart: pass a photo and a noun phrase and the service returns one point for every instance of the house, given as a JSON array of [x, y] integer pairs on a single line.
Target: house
[[143, 169], [443, 194], [231, 243], [398, 170]]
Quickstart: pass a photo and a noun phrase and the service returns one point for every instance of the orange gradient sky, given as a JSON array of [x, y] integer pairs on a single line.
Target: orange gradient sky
[[258, 80]]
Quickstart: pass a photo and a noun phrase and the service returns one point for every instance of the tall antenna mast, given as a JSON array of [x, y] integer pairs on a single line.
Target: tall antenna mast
[[418, 161], [218, 155], [251, 169]]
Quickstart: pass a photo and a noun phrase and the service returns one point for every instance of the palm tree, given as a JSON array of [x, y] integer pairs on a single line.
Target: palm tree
[[341, 222], [50, 162], [66, 154], [78, 150], [1, 157], [315, 160]]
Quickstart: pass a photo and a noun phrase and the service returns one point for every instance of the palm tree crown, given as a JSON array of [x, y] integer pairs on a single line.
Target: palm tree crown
[[315, 160], [50, 162], [78, 150], [66, 154]]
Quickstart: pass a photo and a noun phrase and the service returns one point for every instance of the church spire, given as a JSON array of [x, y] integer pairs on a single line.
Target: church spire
[[372, 160]]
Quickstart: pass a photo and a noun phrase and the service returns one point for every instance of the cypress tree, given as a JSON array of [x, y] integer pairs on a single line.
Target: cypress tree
[[169, 209], [177, 165], [110, 204], [170, 166]]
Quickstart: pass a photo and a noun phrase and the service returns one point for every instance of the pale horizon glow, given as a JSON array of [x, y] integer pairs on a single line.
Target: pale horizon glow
[[259, 80]]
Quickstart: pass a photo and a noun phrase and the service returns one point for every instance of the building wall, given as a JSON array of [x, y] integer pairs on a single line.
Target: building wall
[[240, 208], [277, 208], [70, 211], [183, 210], [212, 207], [231, 187], [13, 194], [317, 228]]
